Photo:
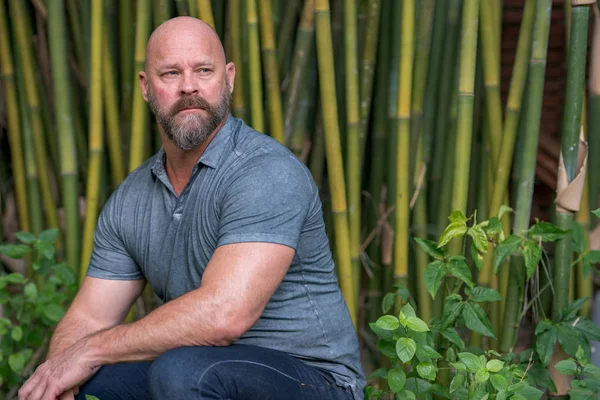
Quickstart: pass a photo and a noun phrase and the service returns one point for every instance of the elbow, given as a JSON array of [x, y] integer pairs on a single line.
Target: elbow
[[231, 329]]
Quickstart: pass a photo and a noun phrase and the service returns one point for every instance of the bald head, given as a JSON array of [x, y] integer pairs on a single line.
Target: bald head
[[183, 31]]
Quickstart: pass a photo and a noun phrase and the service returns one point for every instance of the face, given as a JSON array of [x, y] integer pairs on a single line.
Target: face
[[187, 83]]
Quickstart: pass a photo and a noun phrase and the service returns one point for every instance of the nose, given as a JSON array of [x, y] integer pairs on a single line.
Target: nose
[[188, 84]]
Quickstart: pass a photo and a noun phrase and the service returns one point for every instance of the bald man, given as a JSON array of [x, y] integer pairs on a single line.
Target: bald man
[[226, 226]]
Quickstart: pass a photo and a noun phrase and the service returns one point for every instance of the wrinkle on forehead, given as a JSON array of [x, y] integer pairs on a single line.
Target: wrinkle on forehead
[[175, 29]]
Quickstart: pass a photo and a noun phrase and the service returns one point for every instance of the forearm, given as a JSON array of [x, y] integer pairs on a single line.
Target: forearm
[[194, 319], [72, 328]]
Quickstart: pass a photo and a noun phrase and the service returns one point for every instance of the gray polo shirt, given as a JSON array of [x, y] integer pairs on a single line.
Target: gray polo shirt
[[246, 187]]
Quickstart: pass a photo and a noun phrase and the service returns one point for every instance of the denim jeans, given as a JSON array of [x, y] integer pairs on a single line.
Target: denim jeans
[[236, 372]]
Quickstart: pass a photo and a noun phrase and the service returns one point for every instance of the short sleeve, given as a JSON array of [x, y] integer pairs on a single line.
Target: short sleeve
[[267, 200], [110, 258]]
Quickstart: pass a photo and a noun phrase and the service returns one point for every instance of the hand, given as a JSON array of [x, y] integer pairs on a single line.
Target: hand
[[60, 375]]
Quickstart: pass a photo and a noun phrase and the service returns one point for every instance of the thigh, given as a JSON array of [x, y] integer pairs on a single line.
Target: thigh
[[127, 381], [239, 372]]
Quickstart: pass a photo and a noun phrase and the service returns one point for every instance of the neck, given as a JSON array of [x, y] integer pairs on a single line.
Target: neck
[[179, 163]]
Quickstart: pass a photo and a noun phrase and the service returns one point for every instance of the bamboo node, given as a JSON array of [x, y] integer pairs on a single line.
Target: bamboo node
[[568, 194]]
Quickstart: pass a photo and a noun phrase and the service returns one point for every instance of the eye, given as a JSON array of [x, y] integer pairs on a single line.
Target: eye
[[204, 70], [170, 73]]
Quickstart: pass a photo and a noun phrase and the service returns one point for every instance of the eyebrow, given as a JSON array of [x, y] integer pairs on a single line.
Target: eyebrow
[[176, 65]]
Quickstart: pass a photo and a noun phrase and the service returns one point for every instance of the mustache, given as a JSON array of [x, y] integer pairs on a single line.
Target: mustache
[[190, 102]]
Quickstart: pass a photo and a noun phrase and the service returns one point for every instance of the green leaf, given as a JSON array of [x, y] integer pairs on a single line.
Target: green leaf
[[14, 277], [457, 382], [387, 303], [570, 338], [504, 209], [459, 366], [501, 395], [430, 247], [582, 394], [416, 324], [593, 256], [457, 216], [454, 230], [16, 362], [592, 371], [54, 312], [406, 394], [476, 319], [517, 397], [578, 238], [65, 274], [396, 379], [596, 212], [16, 333], [480, 396], [459, 268], [25, 237], [453, 337], [480, 294], [482, 375], [426, 370], [545, 342], [547, 232], [479, 238], [570, 311], [46, 249], [382, 333], [494, 226], [499, 382], [90, 397], [494, 365], [477, 257], [406, 349], [408, 310], [387, 348], [529, 393], [371, 393], [425, 353], [505, 249], [452, 310], [30, 291], [379, 373], [580, 356], [543, 325], [433, 276], [471, 361], [589, 329], [388, 323], [49, 235], [533, 253], [14, 251]]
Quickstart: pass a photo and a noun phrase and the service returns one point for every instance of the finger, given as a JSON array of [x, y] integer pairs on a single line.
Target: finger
[[32, 383], [76, 390], [68, 395]]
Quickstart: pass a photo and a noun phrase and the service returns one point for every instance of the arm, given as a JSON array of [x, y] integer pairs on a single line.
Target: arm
[[236, 286], [87, 315]]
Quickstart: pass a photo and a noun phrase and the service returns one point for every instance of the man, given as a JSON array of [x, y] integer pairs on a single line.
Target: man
[[226, 226]]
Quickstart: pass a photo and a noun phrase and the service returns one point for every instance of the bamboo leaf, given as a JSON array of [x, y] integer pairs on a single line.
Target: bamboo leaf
[[532, 252], [547, 232], [430, 247], [454, 230], [396, 379], [433, 276], [476, 320], [406, 349], [479, 238], [505, 249]]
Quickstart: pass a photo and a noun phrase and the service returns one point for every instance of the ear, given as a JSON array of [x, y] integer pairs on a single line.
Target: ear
[[143, 84], [230, 74]]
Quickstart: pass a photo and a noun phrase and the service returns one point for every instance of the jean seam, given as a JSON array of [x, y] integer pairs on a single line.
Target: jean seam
[[198, 384]]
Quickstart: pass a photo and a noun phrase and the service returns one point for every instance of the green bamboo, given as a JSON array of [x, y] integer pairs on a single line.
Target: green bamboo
[[335, 167], [401, 238], [127, 78], [584, 284], [302, 54], [594, 118], [468, 51], [205, 12], [304, 116], [353, 152], [367, 72], [286, 32], [182, 7], [160, 10], [139, 120], [271, 77], [76, 30], [255, 74], [66, 132], [14, 124], [191, 5], [317, 154], [95, 130], [26, 60], [571, 124], [235, 54], [447, 83], [535, 91], [218, 8]]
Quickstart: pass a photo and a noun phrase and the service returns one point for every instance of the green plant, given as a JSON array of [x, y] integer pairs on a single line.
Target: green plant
[[587, 376], [31, 307]]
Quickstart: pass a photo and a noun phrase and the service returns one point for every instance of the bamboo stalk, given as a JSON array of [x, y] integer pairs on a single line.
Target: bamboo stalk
[[127, 78], [191, 6], [218, 10], [205, 12], [333, 150], [594, 118], [26, 60], [535, 90], [139, 120], [161, 13], [302, 53], [286, 31], [14, 124], [401, 238], [583, 283], [182, 7], [304, 116], [235, 37], [569, 147], [96, 136], [76, 30], [254, 68], [66, 133], [271, 77]]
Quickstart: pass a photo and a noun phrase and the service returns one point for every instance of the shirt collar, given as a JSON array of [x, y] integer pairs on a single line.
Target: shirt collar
[[211, 155]]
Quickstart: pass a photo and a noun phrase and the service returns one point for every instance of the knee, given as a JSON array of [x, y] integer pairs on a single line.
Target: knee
[[168, 376]]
